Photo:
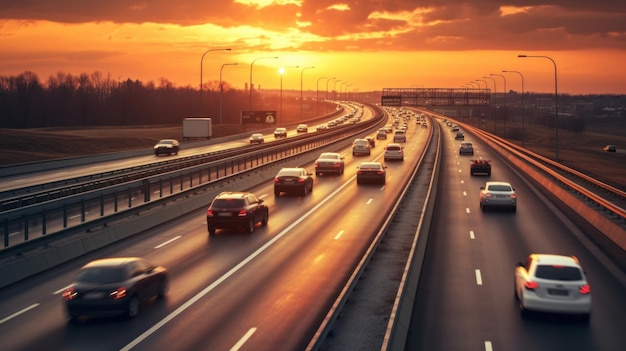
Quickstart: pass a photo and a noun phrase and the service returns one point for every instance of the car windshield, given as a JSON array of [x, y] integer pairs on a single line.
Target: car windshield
[[499, 188], [101, 275], [166, 142], [228, 203], [563, 273]]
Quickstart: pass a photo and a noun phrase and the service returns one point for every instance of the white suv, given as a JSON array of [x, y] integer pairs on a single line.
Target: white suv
[[394, 152]]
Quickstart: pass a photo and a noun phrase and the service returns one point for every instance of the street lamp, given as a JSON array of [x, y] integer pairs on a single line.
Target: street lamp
[[317, 94], [345, 91], [251, 64], [222, 88], [505, 108], [334, 89], [480, 80], [282, 71], [522, 76], [472, 84], [556, 104], [328, 81], [495, 90], [202, 59], [301, 75]]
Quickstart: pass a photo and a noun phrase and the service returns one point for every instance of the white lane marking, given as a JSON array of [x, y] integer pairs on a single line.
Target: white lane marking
[[462, 182], [243, 340], [232, 271], [467, 210], [465, 193], [460, 171], [369, 201], [472, 235], [339, 235], [488, 346], [61, 290], [18, 313], [479, 278], [167, 242]]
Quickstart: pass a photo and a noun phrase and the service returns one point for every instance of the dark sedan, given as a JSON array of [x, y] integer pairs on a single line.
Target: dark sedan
[[114, 286], [371, 172], [167, 147], [329, 162], [236, 209], [295, 179]]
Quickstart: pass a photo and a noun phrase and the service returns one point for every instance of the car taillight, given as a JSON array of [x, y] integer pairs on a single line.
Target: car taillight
[[487, 195], [70, 294], [242, 213], [380, 172], [119, 293], [359, 172], [585, 289], [531, 285], [336, 164], [276, 180], [513, 196], [300, 180], [209, 213], [316, 164]]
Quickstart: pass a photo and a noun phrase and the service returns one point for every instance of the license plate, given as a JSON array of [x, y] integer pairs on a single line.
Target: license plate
[[557, 292], [224, 214], [94, 295]]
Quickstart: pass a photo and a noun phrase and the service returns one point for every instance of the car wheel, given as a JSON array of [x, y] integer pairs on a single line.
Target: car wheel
[[250, 226], [211, 229], [483, 207], [305, 190], [584, 318], [276, 192], [266, 217], [514, 209], [132, 310], [163, 285]]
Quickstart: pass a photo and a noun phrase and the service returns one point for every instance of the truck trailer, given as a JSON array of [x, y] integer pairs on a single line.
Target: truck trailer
[[197, 127]]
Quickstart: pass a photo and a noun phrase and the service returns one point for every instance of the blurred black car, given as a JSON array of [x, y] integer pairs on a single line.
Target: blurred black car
[[235, 209], [114, 286], [167, 147], [371, 172], [293, 179]]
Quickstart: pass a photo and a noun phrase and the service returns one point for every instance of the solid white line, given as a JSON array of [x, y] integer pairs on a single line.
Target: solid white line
[[488, 346], [472, 235], [369, 201], [479, 279], [243, 340], [18, 313], [167, 242], [339, 235], [231, 272]]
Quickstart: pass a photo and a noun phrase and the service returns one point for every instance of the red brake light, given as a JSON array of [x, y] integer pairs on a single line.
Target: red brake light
[[513, 196], [300, 180], [380, 172], [276, 180], [531, 285], [242, 213], [585, 289], [119, 293], [69, 294], [209, 213]]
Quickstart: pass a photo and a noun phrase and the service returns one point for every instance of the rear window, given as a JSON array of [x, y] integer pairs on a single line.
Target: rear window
[[101, 275], [228, 203], [499, 188], [393, 148], [289, 173], [562, 273]]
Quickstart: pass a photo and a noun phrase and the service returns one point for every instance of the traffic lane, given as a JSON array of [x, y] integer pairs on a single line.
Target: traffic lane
[[284, 292], [498, 241]]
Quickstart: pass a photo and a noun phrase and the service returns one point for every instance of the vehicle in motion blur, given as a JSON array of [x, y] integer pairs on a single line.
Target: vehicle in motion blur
[[295, 179], [236, 209], [329, 162], [466, 149], [459, 136], [371, 172], [610, 148], [399, 136], [480, 167], [114, 286], [321, 127], [361, 147], [498, 195], [256, 138], [167, 147], [554, 284], [381, 134], [302, 128], [280, 133], [394, 151]]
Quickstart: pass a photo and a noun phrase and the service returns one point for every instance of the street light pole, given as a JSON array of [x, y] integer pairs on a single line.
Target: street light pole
[[522, 76], [504, 113], [301, 75], [282, 71], [328, 81], [251, 64], [556, 104], [222, 88], [201, 60], [495, 114], [317, 96], [334, 89]]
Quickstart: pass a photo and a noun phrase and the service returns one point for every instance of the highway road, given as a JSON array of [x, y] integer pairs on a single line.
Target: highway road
[[263, 291], [465, 297]]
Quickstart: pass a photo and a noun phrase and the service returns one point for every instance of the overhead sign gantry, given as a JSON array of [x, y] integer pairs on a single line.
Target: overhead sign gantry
[[423, 97]]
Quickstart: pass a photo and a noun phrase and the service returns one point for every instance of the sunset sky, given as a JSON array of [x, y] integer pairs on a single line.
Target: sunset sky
[[365, 44]]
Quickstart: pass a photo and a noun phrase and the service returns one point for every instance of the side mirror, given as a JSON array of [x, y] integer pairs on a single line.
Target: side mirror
[[261, 201]]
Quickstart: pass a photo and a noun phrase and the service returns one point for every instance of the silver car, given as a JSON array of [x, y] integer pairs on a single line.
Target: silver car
[[361, 147], [399, 136], [552, 283], [498, 194], [394, 151]]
